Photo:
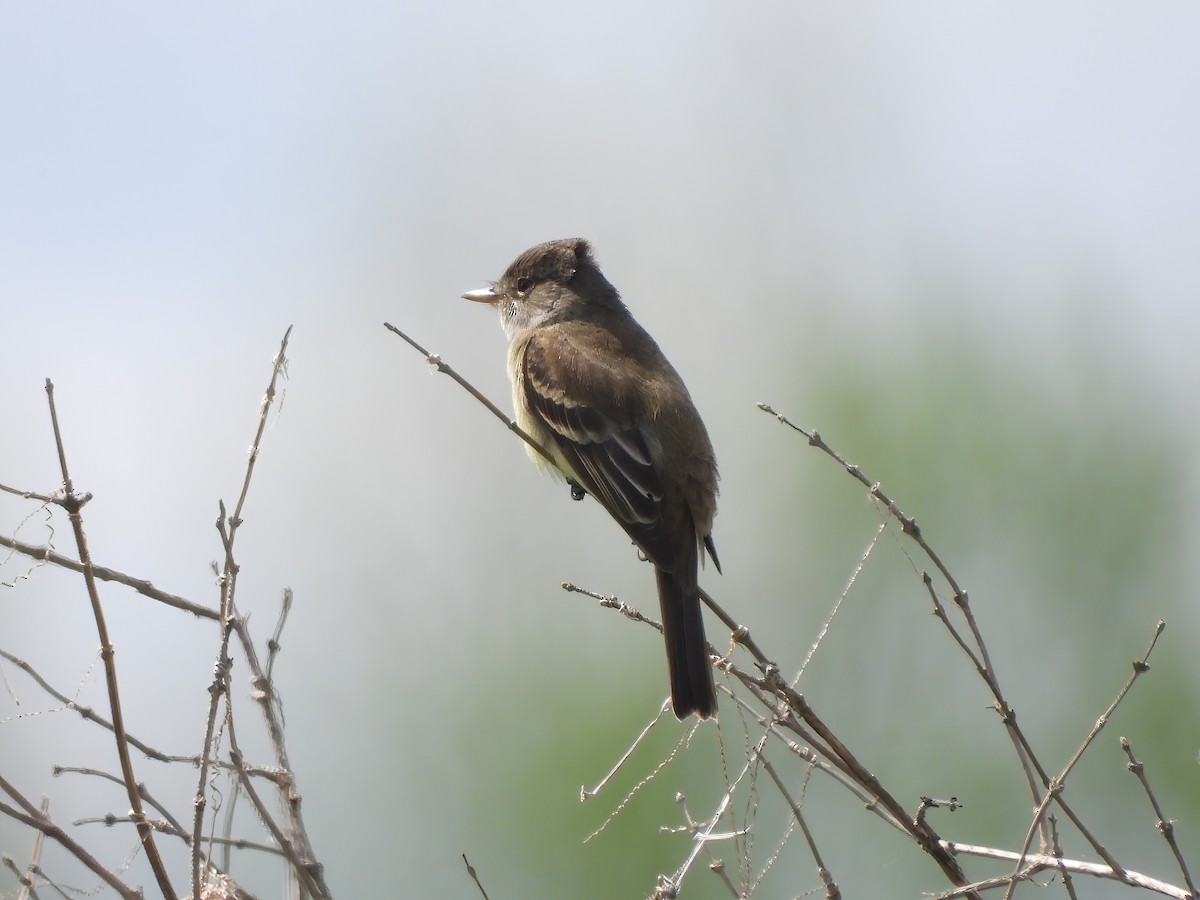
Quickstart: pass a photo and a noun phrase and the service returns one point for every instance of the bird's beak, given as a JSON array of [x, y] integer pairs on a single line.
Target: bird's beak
[[483, 295]]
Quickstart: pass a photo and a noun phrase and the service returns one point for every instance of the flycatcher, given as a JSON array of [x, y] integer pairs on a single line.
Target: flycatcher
[[592, 387]]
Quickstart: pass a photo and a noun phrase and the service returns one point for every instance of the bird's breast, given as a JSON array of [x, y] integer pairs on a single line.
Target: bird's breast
[[531, 424]]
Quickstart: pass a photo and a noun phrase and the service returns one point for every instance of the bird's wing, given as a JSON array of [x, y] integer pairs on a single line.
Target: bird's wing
[[589, 411]]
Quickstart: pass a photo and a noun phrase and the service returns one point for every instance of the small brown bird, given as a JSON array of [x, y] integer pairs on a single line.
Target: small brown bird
[[592, 387]]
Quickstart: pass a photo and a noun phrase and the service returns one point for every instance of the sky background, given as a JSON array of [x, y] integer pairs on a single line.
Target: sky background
[[958, 239]]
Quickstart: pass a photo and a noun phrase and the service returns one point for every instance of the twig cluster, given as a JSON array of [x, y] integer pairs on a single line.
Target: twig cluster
[[220, 752]]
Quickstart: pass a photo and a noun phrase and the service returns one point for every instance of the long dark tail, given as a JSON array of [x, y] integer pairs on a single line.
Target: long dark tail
[[692, 687]]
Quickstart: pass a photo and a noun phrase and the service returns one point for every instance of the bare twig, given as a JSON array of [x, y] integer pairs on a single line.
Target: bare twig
[[908, 524], [173, 829], [831, 889], [739, 633], [105, 574], [86, 712], [30, 815], [1165, 826], [474, 876], [227, 527], [35, 858], [831, 747], [306, 870], [296, 846], [446, 369], [73, 503], [610, 601], [825, 626], [1058, 785], [817, 760], [1057, 853], [29, 495], [108, 776], [586, 794], [980, 659], [633, 791], [273, 645], [218, 688], [1037, 862]]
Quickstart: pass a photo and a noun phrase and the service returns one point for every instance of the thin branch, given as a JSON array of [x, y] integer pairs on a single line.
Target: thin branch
[[474, 876], [825, 764], [307, 871], [1036, 862], [446, 369], [844, 766], [172, 829], [33, 817], [669, 887], [108, 776], [1165, 826], [909, 525], [278, 367], [300, 847], [35, 859], [218, 688], [982, 661], [72, 503], [227, 528], [28, 495], [1057, 853], [586, 793], [273, 645], [101, 573], [269, 707], [1058, 785], [1025, 755], [828, 623], [87, 713], [831, 888]]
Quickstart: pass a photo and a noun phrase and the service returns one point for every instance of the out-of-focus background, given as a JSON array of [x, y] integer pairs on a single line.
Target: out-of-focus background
[[958, 239]]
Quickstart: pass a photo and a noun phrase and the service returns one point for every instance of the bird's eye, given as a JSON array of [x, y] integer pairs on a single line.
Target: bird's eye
[[523, 285]]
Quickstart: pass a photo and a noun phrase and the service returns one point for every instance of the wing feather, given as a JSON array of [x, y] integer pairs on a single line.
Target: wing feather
[[590, 413]]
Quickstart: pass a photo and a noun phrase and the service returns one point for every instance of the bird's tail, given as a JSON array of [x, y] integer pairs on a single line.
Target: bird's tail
[[692, 687]]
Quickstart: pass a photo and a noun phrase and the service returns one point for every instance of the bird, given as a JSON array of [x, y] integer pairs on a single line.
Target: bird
[[594, 391]]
